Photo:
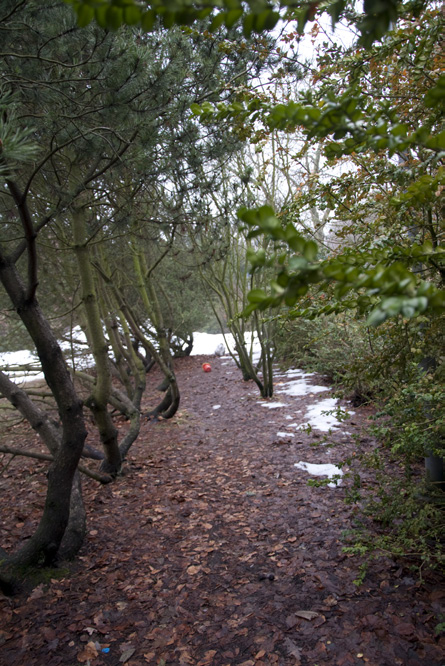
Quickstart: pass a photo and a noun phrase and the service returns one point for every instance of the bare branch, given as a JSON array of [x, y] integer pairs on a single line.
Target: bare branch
[[46, 456]]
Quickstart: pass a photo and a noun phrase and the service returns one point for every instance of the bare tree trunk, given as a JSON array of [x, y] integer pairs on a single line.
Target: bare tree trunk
[[46, 541], [98, 401]]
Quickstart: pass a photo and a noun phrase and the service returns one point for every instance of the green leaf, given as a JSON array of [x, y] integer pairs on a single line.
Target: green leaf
[[436, 142], [114, 17], [256, 295], [231, 17], [132, 15], [148, 20], [297, 263], [248, 24], [256, 258], [85, 15], [217, 21], [196, 109], [436, 95], [376, 318], [100, 15], [310, 250]]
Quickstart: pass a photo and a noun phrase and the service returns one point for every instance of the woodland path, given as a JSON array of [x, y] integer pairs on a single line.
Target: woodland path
[[212, 550]]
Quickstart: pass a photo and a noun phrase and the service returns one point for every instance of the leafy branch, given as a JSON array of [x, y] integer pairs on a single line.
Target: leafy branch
[[380, 285]]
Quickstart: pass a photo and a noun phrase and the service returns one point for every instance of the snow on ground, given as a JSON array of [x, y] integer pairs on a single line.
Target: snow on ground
[[272, 405], [324, 469], [318, 420], [24, 365], [21, 365], [293, 372], [299, 387], [206, 344]]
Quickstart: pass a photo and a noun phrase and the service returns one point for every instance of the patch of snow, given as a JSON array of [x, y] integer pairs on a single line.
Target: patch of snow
[[316, 419], [10, 362], [272, 405], [76, 351], [294, 372], [216, 407], [300, 387], [325, 469], [206, 343], [285, 434]]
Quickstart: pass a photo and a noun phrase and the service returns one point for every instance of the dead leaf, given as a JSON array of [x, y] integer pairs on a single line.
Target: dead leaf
[[207, 659], [125, 656], [88, 653], [405, 629], [192, 570], [293, 650], [37, 593], [330, 601], [307, 615], [49, 634], [291, 621]]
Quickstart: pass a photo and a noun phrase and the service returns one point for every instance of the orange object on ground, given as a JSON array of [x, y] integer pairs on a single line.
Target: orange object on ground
[[206, 367]]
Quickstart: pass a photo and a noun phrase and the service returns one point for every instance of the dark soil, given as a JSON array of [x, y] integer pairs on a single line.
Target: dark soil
[[212, 550]]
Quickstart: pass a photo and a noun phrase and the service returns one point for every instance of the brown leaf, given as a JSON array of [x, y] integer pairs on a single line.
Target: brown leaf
[[405, 629], [330, 601], [49, 633], [37, 593], [207, 659], [293, 650], [89, 652], [291, 621], [125, 656], [307, 615]]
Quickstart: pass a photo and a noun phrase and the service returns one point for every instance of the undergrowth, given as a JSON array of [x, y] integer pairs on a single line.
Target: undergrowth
[[399, 368]]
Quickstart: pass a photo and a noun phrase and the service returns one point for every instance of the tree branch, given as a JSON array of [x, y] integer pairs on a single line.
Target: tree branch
[[30, 237], [46, 456]]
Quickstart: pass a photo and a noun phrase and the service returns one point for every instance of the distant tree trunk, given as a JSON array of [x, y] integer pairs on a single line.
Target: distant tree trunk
[[98, 401], [170, 403]]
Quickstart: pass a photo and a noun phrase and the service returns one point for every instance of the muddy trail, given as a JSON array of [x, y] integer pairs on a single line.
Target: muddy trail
[[213, 550]]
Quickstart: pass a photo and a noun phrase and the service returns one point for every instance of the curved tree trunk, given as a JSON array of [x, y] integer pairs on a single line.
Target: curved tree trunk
[[98, 401], [45, 542], [50, 434], [170, 404]]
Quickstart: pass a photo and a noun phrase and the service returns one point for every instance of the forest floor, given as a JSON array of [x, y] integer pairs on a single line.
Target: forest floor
[[213, 550]]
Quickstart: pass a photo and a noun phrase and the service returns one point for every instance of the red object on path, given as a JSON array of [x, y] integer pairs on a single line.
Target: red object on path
[[206, 367]]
